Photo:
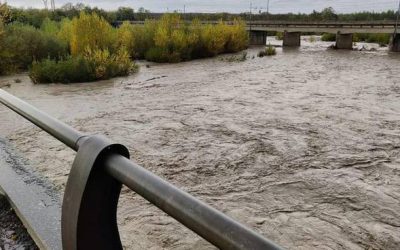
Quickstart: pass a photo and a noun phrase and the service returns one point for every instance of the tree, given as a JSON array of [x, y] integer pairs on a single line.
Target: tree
[[5, 13], [5, 17], [90, 31], [143, 14], [125, 14], [328, 14]]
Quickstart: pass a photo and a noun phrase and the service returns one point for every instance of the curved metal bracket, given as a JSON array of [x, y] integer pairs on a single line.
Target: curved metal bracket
[[89, 212]]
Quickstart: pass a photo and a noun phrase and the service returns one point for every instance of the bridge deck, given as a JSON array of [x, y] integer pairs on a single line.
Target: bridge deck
[[329, 27], [34, 201], [383, 27]]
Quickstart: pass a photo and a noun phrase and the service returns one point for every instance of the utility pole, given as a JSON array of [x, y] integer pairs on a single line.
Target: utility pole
[[46, 6], [251, 7], [397, 21], [184, 9], [53, 5], [268, 9]]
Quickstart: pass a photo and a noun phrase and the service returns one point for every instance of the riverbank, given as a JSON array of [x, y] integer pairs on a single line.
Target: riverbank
[[303, 146]]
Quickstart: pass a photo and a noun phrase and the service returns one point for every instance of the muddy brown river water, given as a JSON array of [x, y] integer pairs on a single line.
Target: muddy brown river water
[[304, 147]]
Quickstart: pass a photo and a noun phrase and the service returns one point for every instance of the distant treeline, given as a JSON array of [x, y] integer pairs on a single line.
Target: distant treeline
[[35, 17]]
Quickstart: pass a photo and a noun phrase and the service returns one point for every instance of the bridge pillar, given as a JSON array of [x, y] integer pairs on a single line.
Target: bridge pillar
[[291, 39], [258, 37], [344, 41], [395, 43]]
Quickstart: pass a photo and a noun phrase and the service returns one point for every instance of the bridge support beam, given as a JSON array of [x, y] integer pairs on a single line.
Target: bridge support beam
[[258, 37], [344, 41], [395, 43], [291, 39]]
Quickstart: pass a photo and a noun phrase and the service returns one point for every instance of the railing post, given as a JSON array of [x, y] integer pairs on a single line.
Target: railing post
[[89, 211]]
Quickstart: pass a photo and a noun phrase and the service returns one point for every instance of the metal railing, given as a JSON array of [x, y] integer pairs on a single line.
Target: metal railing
[[94, 184], [391, 23]]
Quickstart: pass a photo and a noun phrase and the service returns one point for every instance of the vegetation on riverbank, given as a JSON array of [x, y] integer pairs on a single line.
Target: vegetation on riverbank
[[89, 48], [172, 40], [382, 39], [279, 36]]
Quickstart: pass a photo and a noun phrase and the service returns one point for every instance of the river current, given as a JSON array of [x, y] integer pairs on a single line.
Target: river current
[[304, 146]]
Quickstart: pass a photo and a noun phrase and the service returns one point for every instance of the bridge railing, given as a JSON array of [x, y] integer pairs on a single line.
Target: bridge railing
[[299, 23], [94, 184]]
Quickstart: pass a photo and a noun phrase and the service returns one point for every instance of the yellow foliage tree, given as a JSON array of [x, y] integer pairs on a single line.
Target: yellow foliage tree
[[237, 37], [214, 38], [65, 32], [126, 38], [5, 16], [91, 31]]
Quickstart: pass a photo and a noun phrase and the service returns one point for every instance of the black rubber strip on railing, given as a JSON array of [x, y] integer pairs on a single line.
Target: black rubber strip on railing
[[209, 223]]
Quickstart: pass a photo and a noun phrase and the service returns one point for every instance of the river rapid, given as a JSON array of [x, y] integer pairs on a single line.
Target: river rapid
[[304, 147]]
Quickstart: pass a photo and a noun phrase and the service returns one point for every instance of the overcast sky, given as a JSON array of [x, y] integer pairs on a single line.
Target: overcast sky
[[276, 6]]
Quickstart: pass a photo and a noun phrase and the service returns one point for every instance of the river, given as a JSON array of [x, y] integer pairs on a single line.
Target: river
[[304, 146]]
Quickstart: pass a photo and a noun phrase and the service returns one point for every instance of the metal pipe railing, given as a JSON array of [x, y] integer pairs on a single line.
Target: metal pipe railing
[[54, 127], [209, 223]]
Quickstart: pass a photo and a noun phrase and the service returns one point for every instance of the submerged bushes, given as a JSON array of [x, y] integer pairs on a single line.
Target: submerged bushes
[[382, 39], [328, 37], [173, 40], [71, 69], [93, 65], [279, 36], [268, 51], [88, 48], [94, 53]]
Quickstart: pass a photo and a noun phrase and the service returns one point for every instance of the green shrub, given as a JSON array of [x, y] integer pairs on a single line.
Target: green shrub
[[93, 65], [50, 27], [72, 69], [279, 36], [382, 39], [328, 37], [105, 65], [144, 38], [21, 45], [268, 51], [157, 54]]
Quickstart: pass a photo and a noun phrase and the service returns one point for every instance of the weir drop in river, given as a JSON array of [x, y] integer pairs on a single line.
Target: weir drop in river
[[304, 147]]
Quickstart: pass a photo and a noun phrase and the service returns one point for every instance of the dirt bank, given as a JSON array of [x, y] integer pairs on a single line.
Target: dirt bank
[[304, 147]]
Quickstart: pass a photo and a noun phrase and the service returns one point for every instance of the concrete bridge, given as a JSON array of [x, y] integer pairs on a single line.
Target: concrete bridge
[[344, 31], [292, 31]]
